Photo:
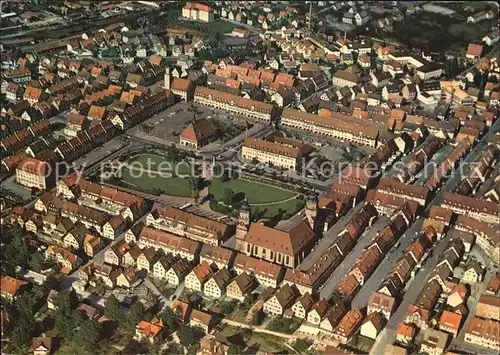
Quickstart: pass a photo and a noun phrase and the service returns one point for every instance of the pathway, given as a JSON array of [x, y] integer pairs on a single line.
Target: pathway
[[273, 203]]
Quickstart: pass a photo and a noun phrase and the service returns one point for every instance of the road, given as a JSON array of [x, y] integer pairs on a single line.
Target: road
[[388, 335], [341, 271]]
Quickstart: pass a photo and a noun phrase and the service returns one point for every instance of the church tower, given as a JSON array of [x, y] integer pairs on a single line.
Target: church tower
[[311, 209], [242, 227], [167, 78]]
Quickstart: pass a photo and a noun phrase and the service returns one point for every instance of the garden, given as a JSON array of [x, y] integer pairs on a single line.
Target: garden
[[265, 201]]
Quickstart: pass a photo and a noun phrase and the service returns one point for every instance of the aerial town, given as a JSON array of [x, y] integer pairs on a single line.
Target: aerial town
[[250, 177]]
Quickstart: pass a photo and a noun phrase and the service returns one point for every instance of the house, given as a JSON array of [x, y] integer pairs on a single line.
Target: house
[[198, 12], [196, 279], [333, 317], [35, 173], [52, 296], [434, 342], [42, 345], [271, 153], [11, 287], [381, 303], [67, 260], [317, 312], [484, 333], [473, 273], [183, 88], [114, 255], [405, 333], [457, 296], [146, 259], [198, 134], [182, 309], [202, 320], [474, 51], [302, 306], [450, 322], [348, 326], [488, 307], [92, 245], [373, 325], [241, 286], [163, 264], [178, 272], [126, 278], [114, 227], [219, 256], [278, 303], [215, 287], [149, 332]]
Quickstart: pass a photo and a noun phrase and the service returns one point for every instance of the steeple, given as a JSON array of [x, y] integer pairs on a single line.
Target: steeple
[[167, 78]]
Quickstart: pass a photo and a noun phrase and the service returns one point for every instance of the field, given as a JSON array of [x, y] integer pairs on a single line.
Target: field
[[153, 182], [437, 32], [263, 342], [265, 201], [255, 192], [218, 26]]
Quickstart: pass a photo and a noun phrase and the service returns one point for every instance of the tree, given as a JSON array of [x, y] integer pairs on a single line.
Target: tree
[[136, 314], [169, 317], [189, 336], [16, 252], [228, 196], [227, 307], [37, 261], [235, 349], [112, 308], [173, 153], [87, 335], [66, 317], [22, 332]]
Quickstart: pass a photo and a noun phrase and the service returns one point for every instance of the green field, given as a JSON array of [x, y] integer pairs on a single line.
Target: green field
[[157, 162], [172, 185], [219, 26], [255, 193], [265, 201]]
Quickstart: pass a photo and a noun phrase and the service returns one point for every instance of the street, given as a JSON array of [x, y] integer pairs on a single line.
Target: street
[[388, 335]]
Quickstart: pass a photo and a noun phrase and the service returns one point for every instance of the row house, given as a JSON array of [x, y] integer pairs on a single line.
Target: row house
[[400, 189], [344, 128], [234, 104], [241, 286], [266, 273], [101, 197], [271, 153], [486, 234], [148, 107], [483, 332], [282, 300], [67, 260], [482, 210], [188, 225], [309, 280], [216, 285], [216, 255], [196, 279], [419, 312], [348, 326], [92, 219], [169, 243]]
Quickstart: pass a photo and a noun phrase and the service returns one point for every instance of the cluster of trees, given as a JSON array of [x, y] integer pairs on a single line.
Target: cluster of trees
[[73, 325], [19, 253]]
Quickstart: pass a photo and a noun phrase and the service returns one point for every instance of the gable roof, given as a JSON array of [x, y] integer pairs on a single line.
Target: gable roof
[[288, 243]]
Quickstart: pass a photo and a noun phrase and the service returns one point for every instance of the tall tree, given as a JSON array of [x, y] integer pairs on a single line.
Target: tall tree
[[228, 196], [112, 308], [87, 335]]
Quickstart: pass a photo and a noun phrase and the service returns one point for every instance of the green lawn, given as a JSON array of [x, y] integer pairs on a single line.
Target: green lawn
[[220, 26], [263, 342], [157, 162], [255, 192], [175, 186]]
